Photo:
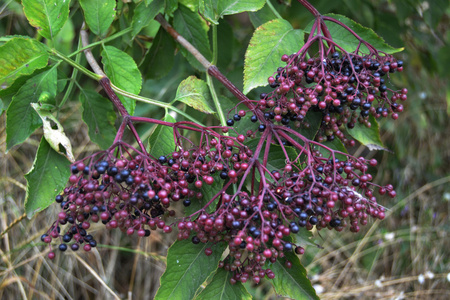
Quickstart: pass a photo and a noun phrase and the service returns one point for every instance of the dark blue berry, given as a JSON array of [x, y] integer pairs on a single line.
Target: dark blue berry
[[254, 118], [230, 122], [62, 247], [186, 202]]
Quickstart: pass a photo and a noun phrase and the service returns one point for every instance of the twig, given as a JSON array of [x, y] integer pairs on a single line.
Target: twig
[[87, 52]]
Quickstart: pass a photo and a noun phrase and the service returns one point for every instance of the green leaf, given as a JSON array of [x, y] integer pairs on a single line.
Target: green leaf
[[221, 288], [349, 42], [162, 142], [335, 144], [19, 57], [261, 16], [194, 29], [367, 136], [21, 119], [215, 9], [293, 282], [46, 179], [48, 16], [303, 237], [277, 156], [159, 59], [123, 73], [170, 6], [195, 93], [187, 268], [99, 116], [263, 56], [54, 136], [99, 15], [144, 14], [314, 119]]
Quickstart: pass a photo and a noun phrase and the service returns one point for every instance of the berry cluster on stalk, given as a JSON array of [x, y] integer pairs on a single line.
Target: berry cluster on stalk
[[345, 87], [258, 209]]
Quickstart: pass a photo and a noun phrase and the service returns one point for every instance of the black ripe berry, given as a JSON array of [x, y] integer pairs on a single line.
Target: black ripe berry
[[230, 122], [186, 202]]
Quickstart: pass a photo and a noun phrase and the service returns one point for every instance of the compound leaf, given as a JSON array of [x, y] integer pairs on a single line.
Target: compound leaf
[[195, 93], [48, 16], [123, 73], [366, 135], [162, 142], [221, 288], [99, 14], [187, 268], [194, 29], [263, 56], [21, 119], [293, 282], [99, 116], [46, 179], [19, 57]]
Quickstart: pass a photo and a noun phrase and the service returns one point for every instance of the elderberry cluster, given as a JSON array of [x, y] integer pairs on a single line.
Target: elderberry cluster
[[133, 192], [344, 87]]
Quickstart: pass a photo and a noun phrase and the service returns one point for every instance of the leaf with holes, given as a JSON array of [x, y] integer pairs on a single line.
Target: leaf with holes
[[48, 16], [46, 179], [99, 15], [263, 56], [123, 73], [187, 268]]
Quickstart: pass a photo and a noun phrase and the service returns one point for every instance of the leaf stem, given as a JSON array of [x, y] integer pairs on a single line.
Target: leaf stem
[[275, 12], [105, 40], [75, 65]]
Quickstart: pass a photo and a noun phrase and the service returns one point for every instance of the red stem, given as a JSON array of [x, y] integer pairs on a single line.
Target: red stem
[[309, 7]]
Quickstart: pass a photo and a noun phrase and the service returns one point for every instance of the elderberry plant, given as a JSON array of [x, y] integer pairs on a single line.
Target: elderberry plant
[[245, 191]]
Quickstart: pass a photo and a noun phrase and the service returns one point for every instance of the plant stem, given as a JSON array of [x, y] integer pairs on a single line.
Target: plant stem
[[89, 57], [275, 12], [72, 78], [75, 65], [105, 40], [309, 7], [210, 82]]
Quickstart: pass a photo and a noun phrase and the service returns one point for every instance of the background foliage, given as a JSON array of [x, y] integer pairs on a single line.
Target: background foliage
[[406, 254]]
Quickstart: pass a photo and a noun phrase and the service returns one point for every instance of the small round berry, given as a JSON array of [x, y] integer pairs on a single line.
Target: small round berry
[[230, 122], [62, 247], [51, 255]]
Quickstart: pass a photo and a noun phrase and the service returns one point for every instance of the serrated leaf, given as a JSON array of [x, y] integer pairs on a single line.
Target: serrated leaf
[[263, 56], [366, 135], [347, 40], [194, 29], [20, 57], [99, 15], [221, 288], [293, 282], [162, 142], [123, 73], [144, 14], [99, 116], [213, 10], [195, 93], [187, 268], [159, 59], [21, 119], [46, 179], [54, 136], [48, 16]]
